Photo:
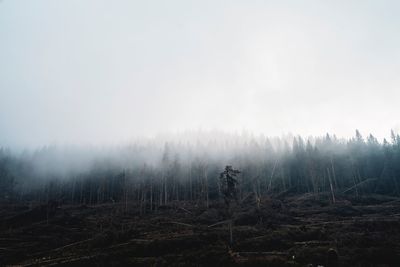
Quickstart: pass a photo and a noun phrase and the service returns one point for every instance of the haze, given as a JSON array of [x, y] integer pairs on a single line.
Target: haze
[[105, 72]]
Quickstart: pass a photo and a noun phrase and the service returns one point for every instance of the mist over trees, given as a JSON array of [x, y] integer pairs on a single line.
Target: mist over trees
[[160, 172]]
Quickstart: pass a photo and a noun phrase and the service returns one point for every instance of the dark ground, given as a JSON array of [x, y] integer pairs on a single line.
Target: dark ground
[[286, 231]]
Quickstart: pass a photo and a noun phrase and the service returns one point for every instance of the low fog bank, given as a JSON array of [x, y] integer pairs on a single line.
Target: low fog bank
[[276, 163], [66, 161]]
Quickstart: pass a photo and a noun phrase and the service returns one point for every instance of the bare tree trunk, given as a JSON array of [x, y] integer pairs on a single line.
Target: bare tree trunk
[[126, 198], [331, 186], [272, 175], [73, 191], [161, 192], [165, 191], [80, 199], [190, 184], [206, 186], [354, 181], [151, 196], [334, 173]]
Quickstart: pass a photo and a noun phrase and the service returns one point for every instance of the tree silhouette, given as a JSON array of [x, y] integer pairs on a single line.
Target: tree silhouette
[[228, 187], [228, 184]]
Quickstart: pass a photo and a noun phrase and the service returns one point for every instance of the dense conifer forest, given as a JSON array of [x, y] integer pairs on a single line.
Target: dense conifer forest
[[156, 173]]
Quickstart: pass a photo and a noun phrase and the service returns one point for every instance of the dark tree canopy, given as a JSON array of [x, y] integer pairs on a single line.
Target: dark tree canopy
[[228, 183], [155, 175]]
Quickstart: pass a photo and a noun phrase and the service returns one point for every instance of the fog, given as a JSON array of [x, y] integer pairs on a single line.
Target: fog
[[217, 148], [203, 148], [107, 73]]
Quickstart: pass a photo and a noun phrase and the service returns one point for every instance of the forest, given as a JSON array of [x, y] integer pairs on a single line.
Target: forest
[[155, 174], [167, 193]]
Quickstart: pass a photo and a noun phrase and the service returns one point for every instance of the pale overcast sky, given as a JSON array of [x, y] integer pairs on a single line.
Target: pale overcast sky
[[92, 71]]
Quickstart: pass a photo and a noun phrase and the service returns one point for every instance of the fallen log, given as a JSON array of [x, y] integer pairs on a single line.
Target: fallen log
[[219, 223], [261, 253], [179, 223], [360, 183]]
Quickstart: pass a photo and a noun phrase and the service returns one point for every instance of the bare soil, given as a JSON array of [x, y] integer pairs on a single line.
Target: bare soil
[[286, 230]]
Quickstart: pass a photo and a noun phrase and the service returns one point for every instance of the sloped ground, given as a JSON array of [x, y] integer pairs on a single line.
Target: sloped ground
[[285, 231]]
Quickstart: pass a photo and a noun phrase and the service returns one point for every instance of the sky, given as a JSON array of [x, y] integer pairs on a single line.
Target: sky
[[103, 72]]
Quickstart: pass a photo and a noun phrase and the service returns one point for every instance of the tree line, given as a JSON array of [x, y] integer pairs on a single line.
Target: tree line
[[153, 175]]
